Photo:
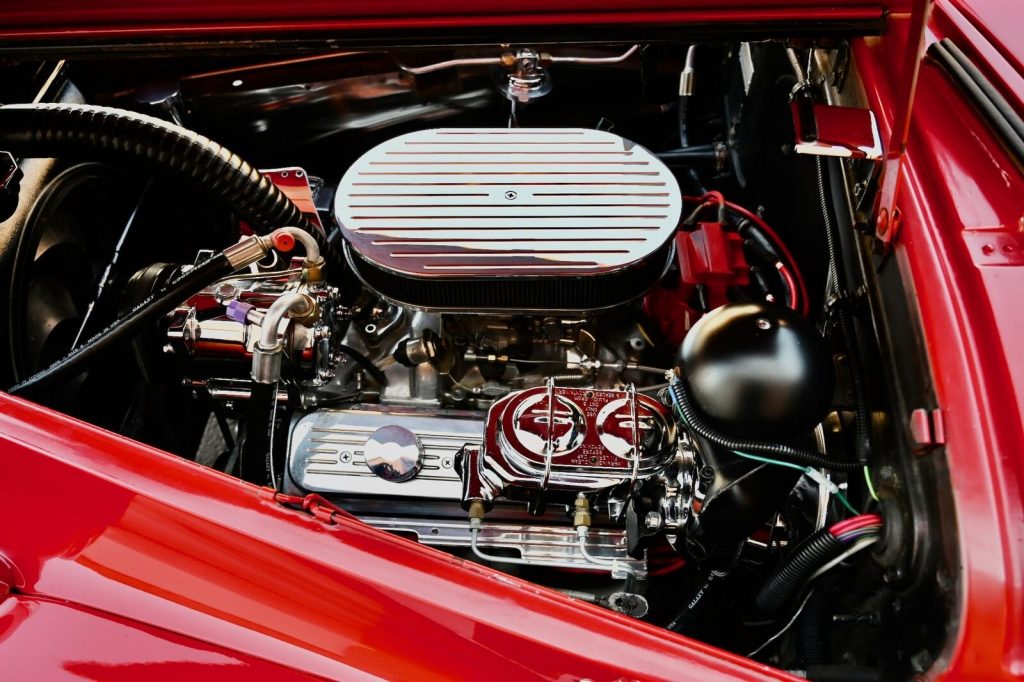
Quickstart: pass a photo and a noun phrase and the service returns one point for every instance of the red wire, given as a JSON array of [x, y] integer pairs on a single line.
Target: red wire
[[855, 523], [794, 300], [717, 197], [773, 235], [786, 254]]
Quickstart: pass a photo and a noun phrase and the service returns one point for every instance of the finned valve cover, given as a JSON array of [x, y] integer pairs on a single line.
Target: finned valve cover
[[509, 208]]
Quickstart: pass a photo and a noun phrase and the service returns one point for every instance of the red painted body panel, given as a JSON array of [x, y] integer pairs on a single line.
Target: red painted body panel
[[960, 246], [42, 640], [56, 19], [183, 564], [114, 527]]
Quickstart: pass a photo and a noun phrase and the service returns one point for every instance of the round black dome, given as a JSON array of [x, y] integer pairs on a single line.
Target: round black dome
[[758, 371]]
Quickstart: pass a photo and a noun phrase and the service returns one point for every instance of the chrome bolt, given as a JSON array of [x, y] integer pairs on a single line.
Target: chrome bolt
[[763, 324], [345, 457], [652, 520]]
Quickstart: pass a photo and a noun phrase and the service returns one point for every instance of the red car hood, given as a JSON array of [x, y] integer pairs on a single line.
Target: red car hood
[[138, 564], [49, 19]]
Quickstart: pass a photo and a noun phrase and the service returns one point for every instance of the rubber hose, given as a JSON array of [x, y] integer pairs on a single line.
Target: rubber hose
[[774, 450], [701, 608], [180, 287], [705, 155], [62, 130], [862, 421], [812, 625], [789, 578], [683, 120], [45, 130], [764, 246], [259, 431]]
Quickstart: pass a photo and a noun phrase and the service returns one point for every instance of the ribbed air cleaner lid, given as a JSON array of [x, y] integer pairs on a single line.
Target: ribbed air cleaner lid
[[503, 203]]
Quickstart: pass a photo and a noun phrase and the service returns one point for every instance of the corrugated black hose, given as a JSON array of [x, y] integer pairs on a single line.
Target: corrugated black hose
[[80, 130], [787, 453], [792, 574]]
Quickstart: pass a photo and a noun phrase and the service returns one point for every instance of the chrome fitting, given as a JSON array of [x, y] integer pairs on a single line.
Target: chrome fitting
[[266, 355], [686, 78], [266, 364], [246, 252]]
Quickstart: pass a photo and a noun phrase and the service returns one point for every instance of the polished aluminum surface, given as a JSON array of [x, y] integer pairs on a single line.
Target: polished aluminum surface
[[537, 201], [558, 544], [393, 453], [328, 451]]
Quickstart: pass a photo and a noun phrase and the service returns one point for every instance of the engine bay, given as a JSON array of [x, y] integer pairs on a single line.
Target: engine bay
[[593, 315]]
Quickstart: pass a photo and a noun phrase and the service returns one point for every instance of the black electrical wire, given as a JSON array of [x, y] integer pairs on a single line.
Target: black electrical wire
[[862, 421], [705, 154], [365, 363], [180, 287], [778, 451]]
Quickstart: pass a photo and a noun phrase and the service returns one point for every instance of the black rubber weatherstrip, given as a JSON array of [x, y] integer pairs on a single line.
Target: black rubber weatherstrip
[[992, 105]]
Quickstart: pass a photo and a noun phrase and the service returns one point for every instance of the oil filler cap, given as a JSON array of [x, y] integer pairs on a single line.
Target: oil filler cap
[[394, 453]]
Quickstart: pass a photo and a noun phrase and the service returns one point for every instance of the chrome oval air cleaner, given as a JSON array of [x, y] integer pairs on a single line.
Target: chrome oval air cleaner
[[542, 217]]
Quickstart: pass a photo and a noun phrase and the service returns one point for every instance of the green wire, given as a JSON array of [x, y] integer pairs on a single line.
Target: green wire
[[871, 486], [846, 502], [758, 458], [789, 465], [838, 493]]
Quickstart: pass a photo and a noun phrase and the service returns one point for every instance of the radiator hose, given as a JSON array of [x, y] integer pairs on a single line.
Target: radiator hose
[[81, 130]]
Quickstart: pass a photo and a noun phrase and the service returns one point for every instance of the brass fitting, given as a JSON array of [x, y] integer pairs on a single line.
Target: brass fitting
[[476, 509], [313, 272], [581, 516], [308, 315]]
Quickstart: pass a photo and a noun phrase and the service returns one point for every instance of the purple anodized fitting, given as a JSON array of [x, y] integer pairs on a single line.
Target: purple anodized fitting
[[239, 311]]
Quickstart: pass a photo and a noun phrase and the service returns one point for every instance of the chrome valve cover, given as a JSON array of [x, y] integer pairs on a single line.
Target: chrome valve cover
[[391, 452]]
